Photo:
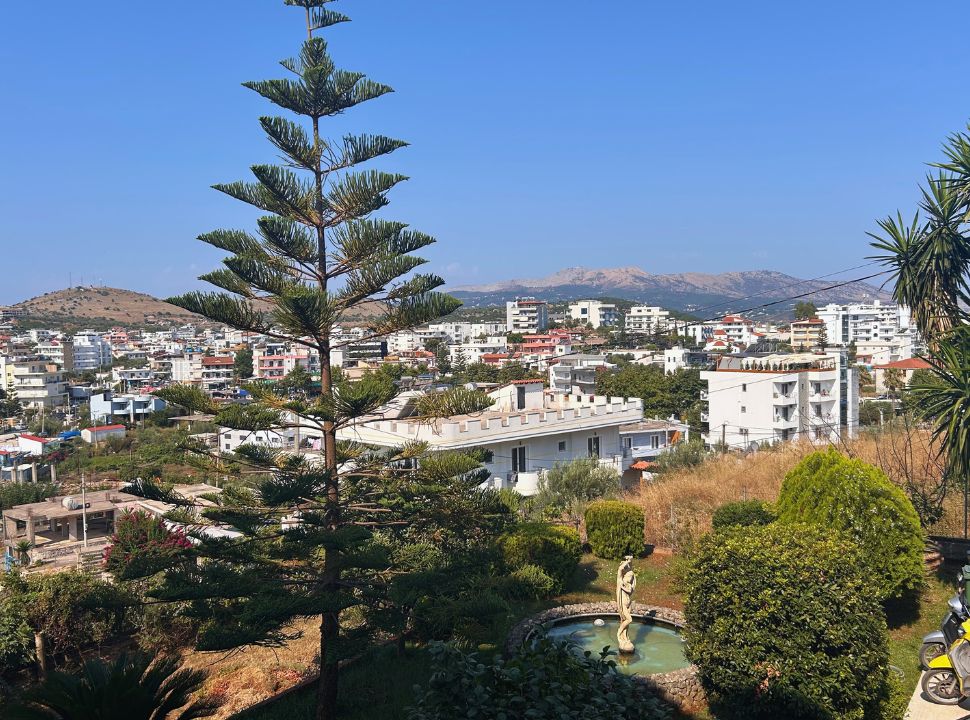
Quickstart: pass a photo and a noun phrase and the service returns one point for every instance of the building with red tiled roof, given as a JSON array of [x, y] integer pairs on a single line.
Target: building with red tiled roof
[[907, 367]]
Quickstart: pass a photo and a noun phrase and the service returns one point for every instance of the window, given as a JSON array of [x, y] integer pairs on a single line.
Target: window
[[593, 445], [744, 387], [520, 397], [518, 459], [562, 446], [744, 409], [628, 442]]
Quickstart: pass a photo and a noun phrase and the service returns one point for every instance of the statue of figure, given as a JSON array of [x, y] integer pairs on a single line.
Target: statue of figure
[[626, 582]]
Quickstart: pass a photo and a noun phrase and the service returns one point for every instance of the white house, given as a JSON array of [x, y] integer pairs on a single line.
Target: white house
[[576, 373], [39, 384], [594, 312], [100, 433], [756, 398], [527, 432], [132, 406], [278, 439]]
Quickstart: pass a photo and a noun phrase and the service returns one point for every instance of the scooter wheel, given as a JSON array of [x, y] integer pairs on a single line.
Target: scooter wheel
[[929, 652], [941, 686]]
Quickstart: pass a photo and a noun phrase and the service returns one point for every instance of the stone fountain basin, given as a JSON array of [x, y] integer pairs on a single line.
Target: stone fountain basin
[[681, 687]]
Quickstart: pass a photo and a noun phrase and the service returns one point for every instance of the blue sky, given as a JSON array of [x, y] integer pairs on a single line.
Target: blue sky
[[703, 136]]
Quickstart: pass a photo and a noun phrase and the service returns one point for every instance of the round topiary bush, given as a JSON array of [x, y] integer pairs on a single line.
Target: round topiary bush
[[744, 512], [553, 548], [614, 529], [830, 490], [780, 623]]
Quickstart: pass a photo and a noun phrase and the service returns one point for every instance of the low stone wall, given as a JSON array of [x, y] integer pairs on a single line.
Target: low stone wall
[[680, 687]]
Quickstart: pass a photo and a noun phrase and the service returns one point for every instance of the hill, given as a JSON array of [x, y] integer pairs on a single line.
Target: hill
[[677, 291], [97, 307]]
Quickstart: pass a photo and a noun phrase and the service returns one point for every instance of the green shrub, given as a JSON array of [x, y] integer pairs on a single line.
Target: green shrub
[[553, 548], [781, 624], [532, 582], [832, 491], [743, 512], [614, 529], [548, 681]]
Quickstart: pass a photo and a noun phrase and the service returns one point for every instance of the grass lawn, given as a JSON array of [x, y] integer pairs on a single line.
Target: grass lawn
[[381, 684]]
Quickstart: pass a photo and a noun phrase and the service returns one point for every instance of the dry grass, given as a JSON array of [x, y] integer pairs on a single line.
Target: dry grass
[[252, 673], [678, 506]]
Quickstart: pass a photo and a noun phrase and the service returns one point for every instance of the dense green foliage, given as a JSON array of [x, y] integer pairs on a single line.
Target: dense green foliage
[[781, 624], [554, 549], [875, 412], [549, 681], [681, 456], [21, 493], [663, 394], [743, 513], [614, 529], [805, 310], [142, 545], [127, 688], [567, 488], [846, 495], [242, 364], [74, 610], [482, 373]]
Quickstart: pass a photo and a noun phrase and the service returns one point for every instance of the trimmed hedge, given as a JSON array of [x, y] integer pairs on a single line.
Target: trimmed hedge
[[744, 513], [780, 623], [614, 529], [832, 491], [552, 548]]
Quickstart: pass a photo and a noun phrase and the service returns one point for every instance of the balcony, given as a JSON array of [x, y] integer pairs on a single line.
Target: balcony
[[789, 398], [785, 422], [524, 483], [705, 417]]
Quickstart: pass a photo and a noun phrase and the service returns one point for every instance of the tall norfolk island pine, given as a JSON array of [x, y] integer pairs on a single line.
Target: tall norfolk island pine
[[317, 256]]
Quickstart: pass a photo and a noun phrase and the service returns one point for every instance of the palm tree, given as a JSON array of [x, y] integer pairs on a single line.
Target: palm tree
[[22, 549], [129, 688], [894, 380]]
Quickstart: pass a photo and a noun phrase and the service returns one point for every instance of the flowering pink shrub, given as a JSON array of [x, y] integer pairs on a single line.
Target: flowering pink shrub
[[143, 545]]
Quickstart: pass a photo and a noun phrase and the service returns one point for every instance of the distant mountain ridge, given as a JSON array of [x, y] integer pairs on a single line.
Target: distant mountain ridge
[[678, 291]]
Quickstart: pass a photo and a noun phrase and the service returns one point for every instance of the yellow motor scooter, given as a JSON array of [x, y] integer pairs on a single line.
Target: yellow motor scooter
[[947, 678]]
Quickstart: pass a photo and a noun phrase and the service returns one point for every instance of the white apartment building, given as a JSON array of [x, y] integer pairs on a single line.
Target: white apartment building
[[646, 319], [464, 332], [58, 350], [279, 439], [681, 358], [91, 351], [594, 312], [756, 398], [576, 373], [187, 367], [526, 315], [129, 378], [865, 322], [527, 431], [38, 384], [473, 352], [730, 329]]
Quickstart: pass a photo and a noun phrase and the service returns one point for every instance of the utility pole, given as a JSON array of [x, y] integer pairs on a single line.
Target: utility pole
[[723, 437], [84, 512]]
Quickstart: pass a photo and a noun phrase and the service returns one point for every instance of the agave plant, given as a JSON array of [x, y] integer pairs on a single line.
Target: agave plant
[[132, 687]]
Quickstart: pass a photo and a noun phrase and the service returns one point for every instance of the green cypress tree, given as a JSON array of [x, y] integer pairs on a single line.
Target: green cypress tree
[[318, 257]]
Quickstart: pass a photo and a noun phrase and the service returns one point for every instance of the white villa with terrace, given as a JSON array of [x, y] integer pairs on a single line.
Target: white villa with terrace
[[528, 430]]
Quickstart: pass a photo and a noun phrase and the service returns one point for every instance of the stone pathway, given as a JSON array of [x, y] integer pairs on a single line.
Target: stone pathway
[[922, 709]]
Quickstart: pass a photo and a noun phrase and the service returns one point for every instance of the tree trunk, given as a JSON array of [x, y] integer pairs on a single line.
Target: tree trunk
[[329, 669], [40, 647]]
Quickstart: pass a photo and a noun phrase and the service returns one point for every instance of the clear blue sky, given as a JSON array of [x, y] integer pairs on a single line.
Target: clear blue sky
[[675, 136]]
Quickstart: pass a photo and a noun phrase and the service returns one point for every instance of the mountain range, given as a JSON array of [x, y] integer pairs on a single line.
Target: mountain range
[[678, 291]]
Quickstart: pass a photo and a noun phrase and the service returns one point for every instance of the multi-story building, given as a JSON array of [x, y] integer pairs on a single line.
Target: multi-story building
[[91, 351], [756, 398], [473, 352], [130, 378], [865, 322], [731, 329], [594, 312], [107, 406], [59, 351], [38, 384], [681, 358], [807, 334], [217, 373], [646, 319], [554, 342], [526, 315], [576, 373], [276, 360]]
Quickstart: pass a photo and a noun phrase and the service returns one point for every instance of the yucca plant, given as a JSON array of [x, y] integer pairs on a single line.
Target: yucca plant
[[131, 687]]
